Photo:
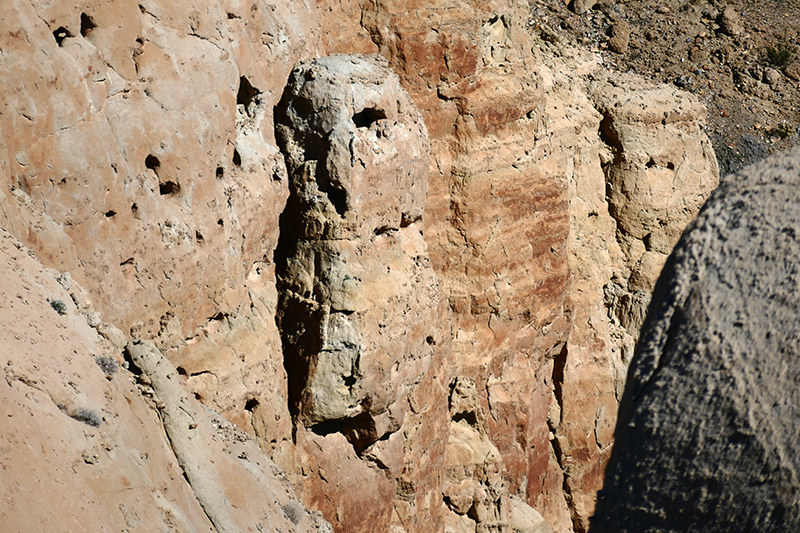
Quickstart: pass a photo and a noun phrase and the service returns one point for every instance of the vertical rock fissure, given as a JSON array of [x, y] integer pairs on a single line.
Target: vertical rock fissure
[[559, 365]]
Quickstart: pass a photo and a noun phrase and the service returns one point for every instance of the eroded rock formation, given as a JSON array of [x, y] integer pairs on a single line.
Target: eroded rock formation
[[359, 305], [138, 152], [709, 419]]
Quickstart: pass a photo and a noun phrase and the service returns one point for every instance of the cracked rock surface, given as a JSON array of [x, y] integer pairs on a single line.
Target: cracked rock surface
[[514, 248]]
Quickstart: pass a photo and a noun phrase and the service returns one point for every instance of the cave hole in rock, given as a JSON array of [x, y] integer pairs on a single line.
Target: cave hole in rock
[[250, 404], [469, 417], [110, 213], [60, 34], [368, 117], [237, 159], [169, 188], [359, 430], [328, 427], [181, 371], [336, 195], [408, 218], [129, 364], [221, 223], [135, 210], [339, 199], [87, 25], [128, 261], [247, 96], [651, 163], [152, 163], [220, 173], [609, 136], [382, 230], [559, 364], [199, 237], [219, 317], [671, 165]]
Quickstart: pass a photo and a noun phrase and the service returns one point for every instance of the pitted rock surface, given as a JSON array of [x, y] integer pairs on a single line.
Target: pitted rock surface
[[357, 293], [358, 299], [709, 424]]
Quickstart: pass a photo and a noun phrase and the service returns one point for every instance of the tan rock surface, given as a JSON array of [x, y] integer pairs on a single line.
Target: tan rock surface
[[82, 446], [137, 152], [359, 301], [519, 228]]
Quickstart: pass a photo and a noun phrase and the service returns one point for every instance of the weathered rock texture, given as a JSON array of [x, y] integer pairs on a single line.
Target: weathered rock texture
[[82, 446], [709, 424], [520, 229], [138, 153], [359, 304]]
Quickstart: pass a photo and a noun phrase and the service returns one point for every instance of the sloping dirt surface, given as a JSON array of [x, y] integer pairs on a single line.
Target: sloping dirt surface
[[741, 58]]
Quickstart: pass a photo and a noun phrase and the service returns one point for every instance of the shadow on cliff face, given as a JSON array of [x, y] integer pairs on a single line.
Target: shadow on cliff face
[[709, 424]]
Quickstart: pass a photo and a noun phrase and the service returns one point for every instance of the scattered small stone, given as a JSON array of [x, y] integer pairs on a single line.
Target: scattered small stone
[[793, 71], [772, 77], [731, 22], [697, 54], [620, 37], [663, 10], [683, 81]]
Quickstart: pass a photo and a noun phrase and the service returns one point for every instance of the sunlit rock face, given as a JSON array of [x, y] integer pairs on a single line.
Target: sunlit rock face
[[358, 300], [708, 423]]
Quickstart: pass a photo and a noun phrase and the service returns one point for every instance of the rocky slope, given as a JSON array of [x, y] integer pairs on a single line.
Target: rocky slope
[[423, 317], [739, 57], [83, 446]]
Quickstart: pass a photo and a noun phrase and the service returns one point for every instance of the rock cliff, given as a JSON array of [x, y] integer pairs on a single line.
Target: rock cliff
[[415, 277], [92, 442], [708, 422]]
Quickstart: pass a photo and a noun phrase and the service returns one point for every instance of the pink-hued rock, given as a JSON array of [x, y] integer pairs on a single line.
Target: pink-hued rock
[[138, 152]]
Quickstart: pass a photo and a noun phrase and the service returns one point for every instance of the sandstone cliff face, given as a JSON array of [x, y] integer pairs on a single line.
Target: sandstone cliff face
[[546, 286], [503, 262], [82, 446], [359, 304]]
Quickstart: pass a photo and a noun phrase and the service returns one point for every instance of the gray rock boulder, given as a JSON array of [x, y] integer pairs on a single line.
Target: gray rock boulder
[[709, 425]]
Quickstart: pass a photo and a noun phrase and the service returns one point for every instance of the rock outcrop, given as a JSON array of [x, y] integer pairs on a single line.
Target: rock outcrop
[[138, 152], [360, 311], [709, 423], [83, 446]]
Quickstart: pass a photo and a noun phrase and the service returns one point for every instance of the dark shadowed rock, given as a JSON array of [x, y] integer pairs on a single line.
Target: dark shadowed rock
[[709, 424]]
